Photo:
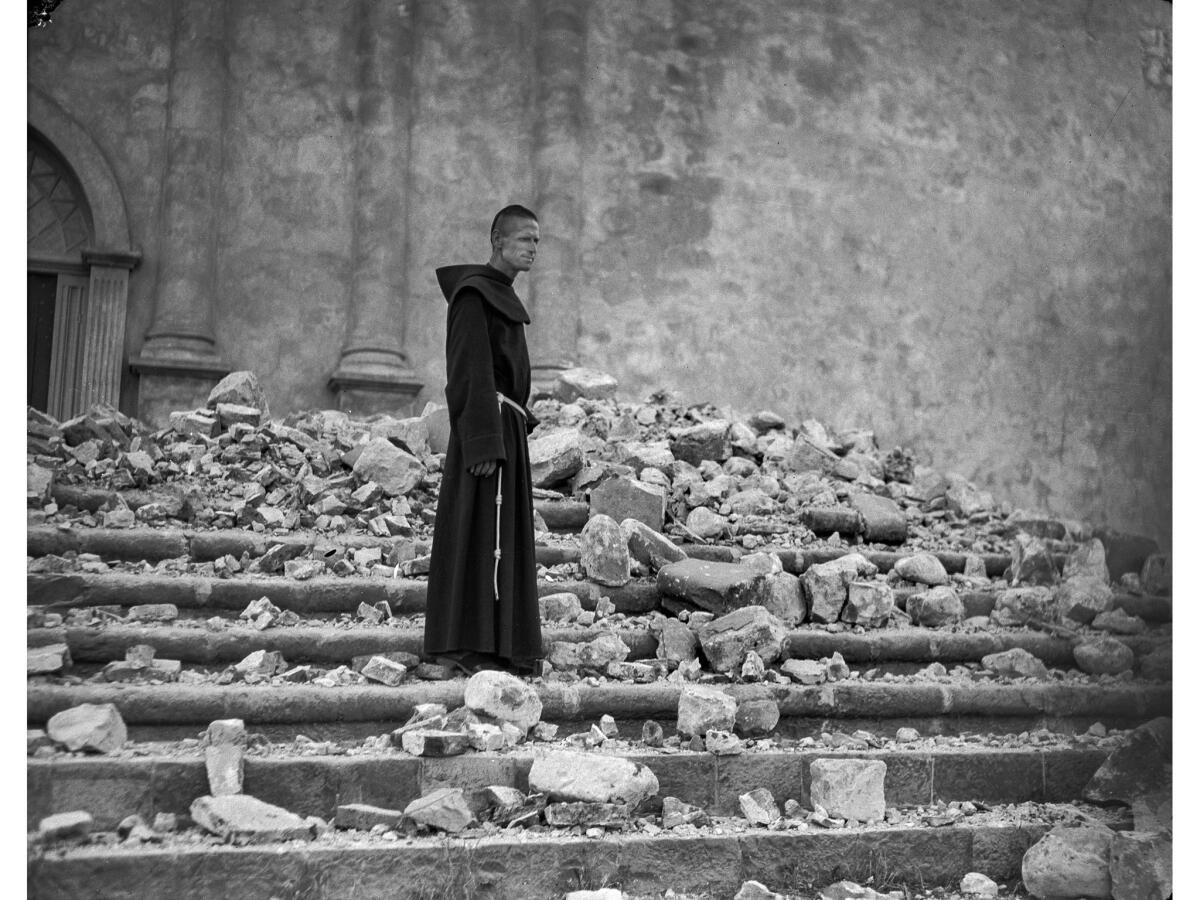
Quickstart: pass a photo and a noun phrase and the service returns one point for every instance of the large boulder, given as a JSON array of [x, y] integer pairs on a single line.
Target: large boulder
[[708, 440], [395, 471], [604, 552], [95, 727], [726, 640], [627, 498], [849, 788], [715, 586], [648, 547], [1069, 861], [702, 709], [503, 696], [591, 778], [555, 457]]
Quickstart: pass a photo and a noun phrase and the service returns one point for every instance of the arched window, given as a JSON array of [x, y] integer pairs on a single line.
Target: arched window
[[59, 222]]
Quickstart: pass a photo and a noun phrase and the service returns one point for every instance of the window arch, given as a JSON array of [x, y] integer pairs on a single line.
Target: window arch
[[58, 220]]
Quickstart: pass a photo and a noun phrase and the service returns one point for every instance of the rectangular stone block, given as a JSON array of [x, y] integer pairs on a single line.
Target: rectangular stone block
[[993, 776], [849, 788], [223, 763]]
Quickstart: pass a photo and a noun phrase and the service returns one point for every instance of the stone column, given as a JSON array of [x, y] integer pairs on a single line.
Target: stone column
[[558, 186], [374, 374], [179, 361]]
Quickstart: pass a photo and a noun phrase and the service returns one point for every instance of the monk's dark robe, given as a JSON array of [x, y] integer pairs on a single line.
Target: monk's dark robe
[[485, 354]]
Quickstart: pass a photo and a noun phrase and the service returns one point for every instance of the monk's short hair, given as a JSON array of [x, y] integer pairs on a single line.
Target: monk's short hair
[[506, 217]]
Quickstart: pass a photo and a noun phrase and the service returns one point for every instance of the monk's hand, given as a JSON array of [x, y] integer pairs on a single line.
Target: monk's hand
[[484, 469]]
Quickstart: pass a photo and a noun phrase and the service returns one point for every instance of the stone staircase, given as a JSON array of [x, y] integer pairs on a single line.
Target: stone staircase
[[981, 760]]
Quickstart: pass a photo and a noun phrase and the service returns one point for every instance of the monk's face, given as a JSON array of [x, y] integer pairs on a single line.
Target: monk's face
[[518, 246]]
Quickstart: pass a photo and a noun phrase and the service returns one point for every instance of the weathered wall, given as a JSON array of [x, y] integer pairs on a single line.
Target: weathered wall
[[949, 223]]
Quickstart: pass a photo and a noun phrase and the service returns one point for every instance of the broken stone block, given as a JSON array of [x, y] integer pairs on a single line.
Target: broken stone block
[[804, 671], [648, 547], [708, 440], [153, 612], [715, 586], [261, 662], [1082, 598], [94, 727], [1155, 575], [226, 731], [65, 826], [726, 640], [1069, 861], [626, 498], [936, 607], [1019, 606], [784, 598], [555, 457], [569, 814], [384, 671], [1117, 621], [504, 697], [977, 886], [849, 788], [230, 414], [722, 743], [430, 742], [826, 586], [273, 560], [588, 384], [224, 764], [47, 659], [868, 603], [364, 817], [759, 807], [591, 778], [1141, 767], [1015, 663], [1140, 866], [883, 519], [702, 709], [303, 569], [394, 470], [240, 388], [603, 551], [756, 890], [1103, 656], [595, 654], [676, 642], [1031, 562], [193, 424], [922, 568], [242, 819], [560, 607], [705, 523]]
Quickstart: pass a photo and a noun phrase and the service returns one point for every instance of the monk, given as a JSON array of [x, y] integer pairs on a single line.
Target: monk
[[482, 607]]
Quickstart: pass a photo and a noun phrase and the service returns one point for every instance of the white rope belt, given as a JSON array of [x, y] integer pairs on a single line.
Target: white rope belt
[[501, 399]]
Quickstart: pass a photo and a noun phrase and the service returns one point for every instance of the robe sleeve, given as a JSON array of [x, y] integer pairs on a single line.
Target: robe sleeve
[[470, 384]]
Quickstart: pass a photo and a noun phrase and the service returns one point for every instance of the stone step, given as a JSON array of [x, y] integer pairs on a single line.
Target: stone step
[[153, 544], [338, 644], [1111, 702], [111, 788], [536, 866], [329, 593]]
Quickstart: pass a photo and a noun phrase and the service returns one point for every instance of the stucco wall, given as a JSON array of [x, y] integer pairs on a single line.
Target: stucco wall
[[947, 222]]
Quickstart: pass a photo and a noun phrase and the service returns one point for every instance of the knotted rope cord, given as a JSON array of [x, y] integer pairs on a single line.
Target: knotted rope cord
[[501, 400]]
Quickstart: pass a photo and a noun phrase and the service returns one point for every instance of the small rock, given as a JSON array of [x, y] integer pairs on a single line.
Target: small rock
[[435, 743], [759, 807], [444, 809], [1103, 656], [594, 654], [652, 733], [505, 697], [722, 743], [804, 671], [936, 607], [364, 817], [65, 825], [978, 885], [922, 568], [604, 553], [1015, 663], [907, 735], [384, 671], [89, 726]]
